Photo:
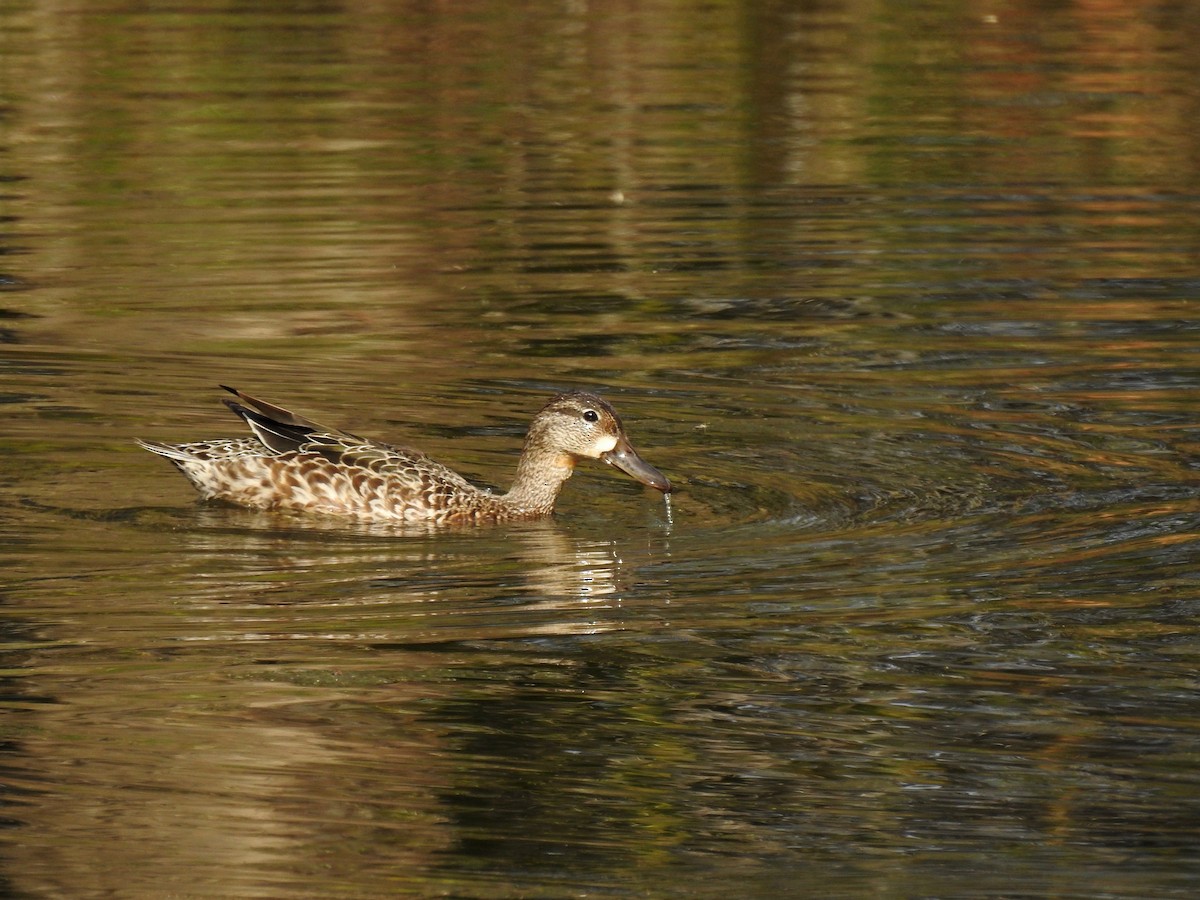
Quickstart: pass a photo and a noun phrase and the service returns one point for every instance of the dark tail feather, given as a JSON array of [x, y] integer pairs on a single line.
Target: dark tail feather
[[282, 437], [274, 413]]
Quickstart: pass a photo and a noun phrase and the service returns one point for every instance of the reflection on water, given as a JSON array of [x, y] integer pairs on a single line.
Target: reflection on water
[[900, 297]]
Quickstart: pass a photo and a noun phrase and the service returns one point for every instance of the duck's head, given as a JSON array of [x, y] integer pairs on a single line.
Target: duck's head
[[582, 425]]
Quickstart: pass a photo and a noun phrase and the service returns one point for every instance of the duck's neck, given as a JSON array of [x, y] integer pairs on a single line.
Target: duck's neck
[[540, 476]]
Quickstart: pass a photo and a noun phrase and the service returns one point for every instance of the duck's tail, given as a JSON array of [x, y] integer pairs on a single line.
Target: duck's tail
[[174, 452]]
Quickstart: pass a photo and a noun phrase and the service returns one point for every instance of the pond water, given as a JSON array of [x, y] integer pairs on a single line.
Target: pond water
[[903, 297]]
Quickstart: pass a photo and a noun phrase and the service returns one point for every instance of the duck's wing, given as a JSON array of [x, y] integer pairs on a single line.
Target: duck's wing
[[273, 412], [280, 429], [283, 431], [411, 467]]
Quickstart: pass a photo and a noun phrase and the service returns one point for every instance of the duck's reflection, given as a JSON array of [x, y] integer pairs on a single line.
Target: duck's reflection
[[538, 564]]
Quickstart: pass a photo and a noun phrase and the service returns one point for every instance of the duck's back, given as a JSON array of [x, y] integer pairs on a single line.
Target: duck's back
[[332, 474]]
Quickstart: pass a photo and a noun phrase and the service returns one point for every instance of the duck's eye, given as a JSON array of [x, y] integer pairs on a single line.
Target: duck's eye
[[590, 415]]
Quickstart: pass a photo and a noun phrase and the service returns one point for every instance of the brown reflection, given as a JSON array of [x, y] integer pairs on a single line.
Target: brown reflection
[[157, 785], [1114, 103], [268, 721], [419, 187], [392, 164]]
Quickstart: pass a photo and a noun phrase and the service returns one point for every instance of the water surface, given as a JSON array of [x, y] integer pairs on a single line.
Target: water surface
[[901, 296]]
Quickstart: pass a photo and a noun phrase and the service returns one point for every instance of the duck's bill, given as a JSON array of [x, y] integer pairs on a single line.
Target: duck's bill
[[625, 458]]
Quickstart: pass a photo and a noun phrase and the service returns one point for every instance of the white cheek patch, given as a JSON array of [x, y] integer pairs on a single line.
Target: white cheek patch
[[604, 444]]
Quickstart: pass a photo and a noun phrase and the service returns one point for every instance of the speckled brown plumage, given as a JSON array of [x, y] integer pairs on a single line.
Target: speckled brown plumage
[[294, 463]]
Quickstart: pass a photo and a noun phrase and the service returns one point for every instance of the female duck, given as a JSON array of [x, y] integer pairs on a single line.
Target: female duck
[[294, 463]]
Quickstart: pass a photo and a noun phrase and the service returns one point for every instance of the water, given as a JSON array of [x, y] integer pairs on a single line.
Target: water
[[902, 297]]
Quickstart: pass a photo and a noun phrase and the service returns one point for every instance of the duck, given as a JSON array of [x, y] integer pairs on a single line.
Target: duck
[[292, 463]]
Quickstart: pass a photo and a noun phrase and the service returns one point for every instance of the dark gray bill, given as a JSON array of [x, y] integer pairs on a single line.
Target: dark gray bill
[[625, 458]]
